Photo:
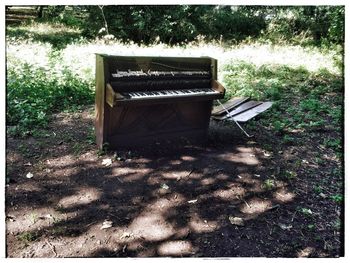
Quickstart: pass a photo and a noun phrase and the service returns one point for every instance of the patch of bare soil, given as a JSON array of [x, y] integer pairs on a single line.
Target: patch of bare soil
[[234, 197]]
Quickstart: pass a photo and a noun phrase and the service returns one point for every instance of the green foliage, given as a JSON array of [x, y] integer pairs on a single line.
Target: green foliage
[[268, 184], [178, 24], [27, 237], [305, 211], [305, 24], [313, 95], [338, 198], [318, 189], [289, 175], [287, 139], [33, 93], [173, 24], [264, 82], [184, 23], [68, 15]]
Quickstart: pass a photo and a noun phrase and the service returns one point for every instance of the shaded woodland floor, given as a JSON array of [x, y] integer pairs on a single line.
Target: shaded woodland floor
[[234, 197]]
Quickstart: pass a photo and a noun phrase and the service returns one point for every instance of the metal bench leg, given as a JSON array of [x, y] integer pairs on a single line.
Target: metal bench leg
[[231, 118]]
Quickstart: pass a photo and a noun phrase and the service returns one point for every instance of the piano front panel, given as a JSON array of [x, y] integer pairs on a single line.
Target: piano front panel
[[132, 124]]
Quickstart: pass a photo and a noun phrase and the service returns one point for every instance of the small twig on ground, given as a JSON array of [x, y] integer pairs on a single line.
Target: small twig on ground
[[274, 207], [246, 203], [52, 247], [241, 199], [124, 248], [293, 216], [92, 223], [192, 170], [107, 240]]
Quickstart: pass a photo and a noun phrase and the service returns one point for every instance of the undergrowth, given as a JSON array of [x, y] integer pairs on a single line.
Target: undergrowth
[[35, 92], [302, 99]]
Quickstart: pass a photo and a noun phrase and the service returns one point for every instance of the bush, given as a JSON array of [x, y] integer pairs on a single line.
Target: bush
[[33, 93]]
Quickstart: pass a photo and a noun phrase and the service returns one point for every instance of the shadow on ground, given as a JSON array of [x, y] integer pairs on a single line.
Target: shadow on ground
[[219, 200]]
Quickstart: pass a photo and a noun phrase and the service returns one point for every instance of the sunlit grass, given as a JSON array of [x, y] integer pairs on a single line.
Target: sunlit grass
[[79, 56], [312, 60]]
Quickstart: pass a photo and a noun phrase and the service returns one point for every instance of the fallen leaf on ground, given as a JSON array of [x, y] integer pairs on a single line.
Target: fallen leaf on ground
[[323, 195], [267, 154], [164, 186], [236, 221], [126, 235], [285, 227], [106, 224], [29, 175], [107, 162]]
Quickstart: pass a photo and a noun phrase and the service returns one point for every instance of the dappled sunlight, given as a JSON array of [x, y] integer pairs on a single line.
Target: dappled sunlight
[[238, 190], [208, 181], [251, 183], [244, 155], [188, 158], [175, 175], [66, 161], [29, 221], [184, 197], [200, 225], [157, 228], [82, 196], [153, 216], [283, 195], [255, 206], [305, 252], [176, 248], [175, 162], [130, 177], [227, 194]]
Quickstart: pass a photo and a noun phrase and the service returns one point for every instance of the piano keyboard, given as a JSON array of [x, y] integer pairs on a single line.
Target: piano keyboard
[[141, 95]]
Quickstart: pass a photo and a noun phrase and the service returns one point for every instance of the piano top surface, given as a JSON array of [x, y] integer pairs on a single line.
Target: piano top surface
[[115, 56]]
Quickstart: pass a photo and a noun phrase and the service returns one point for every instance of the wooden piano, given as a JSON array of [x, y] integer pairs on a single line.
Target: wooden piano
[[143, 100]]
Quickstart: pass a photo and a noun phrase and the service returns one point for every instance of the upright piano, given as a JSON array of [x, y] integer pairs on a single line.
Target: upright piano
[[145, 100]]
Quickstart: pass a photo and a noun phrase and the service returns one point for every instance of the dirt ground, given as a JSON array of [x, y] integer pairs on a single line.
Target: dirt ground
[[234, 197]]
